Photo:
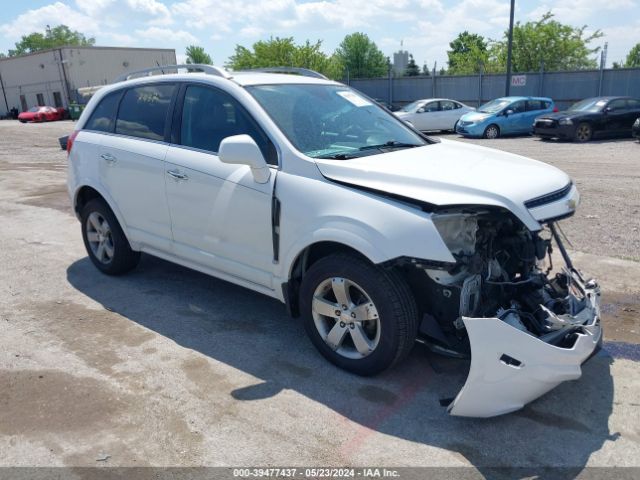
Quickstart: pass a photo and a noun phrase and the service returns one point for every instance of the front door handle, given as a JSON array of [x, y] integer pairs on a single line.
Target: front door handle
[[107, 157], [177, 175]]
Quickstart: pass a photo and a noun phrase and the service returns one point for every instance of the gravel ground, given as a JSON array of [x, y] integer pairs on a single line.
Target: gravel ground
[[607, 173], [169, 367]]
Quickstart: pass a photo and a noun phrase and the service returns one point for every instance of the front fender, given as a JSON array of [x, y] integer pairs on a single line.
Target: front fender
[[380, 228]]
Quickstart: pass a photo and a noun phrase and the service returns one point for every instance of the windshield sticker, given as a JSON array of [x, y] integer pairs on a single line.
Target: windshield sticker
[[357, 100]]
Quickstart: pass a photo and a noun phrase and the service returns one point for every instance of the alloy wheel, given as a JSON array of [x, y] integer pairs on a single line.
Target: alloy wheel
[[100, 238], [346, 318], [583, 133]]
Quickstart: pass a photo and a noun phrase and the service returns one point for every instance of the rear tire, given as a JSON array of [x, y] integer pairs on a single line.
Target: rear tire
[[583, 133], [369, 328], [491, 132], [106, 243]]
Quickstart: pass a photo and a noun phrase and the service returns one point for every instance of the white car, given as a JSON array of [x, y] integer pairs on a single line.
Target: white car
[[304, 190], [433, 114]]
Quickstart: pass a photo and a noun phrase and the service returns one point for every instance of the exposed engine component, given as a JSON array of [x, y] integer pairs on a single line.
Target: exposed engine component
[[512, 317], [500, 273]]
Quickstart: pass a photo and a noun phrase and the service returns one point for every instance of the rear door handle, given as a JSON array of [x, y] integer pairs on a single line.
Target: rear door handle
[[177, 175], [107, 157]]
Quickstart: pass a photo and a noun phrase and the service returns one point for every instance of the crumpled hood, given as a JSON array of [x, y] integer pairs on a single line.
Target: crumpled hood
[[452, 173]]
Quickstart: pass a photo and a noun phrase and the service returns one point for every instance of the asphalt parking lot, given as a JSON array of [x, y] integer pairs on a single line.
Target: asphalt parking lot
[[169, 367]]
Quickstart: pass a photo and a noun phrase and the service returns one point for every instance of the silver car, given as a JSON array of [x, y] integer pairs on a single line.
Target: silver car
[[433, 113]]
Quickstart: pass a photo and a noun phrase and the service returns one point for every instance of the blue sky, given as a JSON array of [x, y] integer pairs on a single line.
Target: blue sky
[[425, 26]]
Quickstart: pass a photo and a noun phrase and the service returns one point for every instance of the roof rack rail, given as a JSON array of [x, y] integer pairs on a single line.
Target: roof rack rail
[[305, 72], [208, 69]]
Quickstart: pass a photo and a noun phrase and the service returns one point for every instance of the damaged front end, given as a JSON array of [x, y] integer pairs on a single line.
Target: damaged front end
[[526, 327]]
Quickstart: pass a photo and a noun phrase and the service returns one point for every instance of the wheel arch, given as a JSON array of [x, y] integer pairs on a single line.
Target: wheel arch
[[87, 192], [301, 263]]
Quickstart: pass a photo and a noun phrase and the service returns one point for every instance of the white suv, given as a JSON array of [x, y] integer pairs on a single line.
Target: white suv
[[305, 190]]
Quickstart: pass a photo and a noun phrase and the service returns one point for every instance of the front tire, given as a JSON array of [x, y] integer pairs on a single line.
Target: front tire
[[491, 132], [106, 243], [359, 316], [584, 132]]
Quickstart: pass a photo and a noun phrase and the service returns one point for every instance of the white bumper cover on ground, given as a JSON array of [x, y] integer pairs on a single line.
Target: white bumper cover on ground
[[497, 384]]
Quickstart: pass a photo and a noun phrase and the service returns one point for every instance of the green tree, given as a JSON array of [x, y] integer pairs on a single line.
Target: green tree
[[283, 52], [197, 54], [425, 70], [53, 37], [559, 46], [412, 69], [469, 51], [361, 56], [633, 58]]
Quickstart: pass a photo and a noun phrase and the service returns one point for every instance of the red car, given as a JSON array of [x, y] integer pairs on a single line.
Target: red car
[[41, 114]]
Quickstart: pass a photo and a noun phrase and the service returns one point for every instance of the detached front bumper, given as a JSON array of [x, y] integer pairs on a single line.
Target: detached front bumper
[[510, 368]]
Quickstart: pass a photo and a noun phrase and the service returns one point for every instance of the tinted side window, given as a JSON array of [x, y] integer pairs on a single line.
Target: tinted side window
[[431, 107], [104, 115], [143, 111], [633, 104], [518, 107], [446, 105], [533, 105], [619, 104], [210, 115]]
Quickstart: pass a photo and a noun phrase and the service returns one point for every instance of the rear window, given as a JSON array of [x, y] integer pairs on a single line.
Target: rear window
[[143, 111], [103, 117]]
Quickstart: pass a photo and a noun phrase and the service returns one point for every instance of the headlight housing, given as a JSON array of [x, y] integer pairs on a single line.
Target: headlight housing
[[565, 121], [637, 122], [458, 231]]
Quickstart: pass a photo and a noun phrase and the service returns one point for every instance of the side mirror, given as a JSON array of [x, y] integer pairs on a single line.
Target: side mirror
[[607, 109], [420, 110], [508, 112], [243, 150]]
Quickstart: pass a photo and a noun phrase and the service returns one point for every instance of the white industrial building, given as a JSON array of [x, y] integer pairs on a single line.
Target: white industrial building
[[52, 77]]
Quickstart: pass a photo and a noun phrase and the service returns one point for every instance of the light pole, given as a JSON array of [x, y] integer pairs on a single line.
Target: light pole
[[509, 48]]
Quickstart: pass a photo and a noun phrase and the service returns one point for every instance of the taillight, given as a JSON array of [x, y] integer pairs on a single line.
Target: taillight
[[70, 140], [555, 109]]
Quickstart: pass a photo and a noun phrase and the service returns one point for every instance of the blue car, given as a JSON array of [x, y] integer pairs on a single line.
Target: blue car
[[504, 116]]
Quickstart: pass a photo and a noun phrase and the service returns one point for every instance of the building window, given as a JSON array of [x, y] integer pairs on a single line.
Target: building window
[[57, 100], [23, 103], [40, 99]]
